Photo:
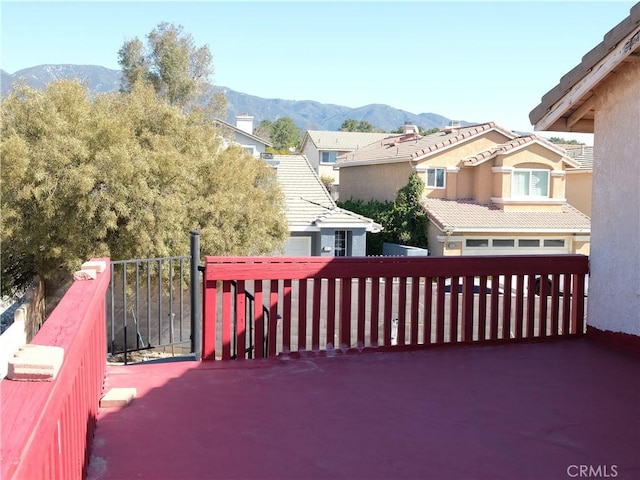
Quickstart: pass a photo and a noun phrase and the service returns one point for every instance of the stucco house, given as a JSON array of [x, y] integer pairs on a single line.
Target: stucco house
[[323, 147], [488, 190], [242, 134], [601, 95], [579, 180], [316, 225]]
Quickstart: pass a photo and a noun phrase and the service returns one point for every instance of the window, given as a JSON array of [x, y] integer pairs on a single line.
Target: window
[[553, 243], [328, 157], [528, 243], [435, 177], [503, 243], [340, 245], [473, 242], [250, 149], [530, 183]]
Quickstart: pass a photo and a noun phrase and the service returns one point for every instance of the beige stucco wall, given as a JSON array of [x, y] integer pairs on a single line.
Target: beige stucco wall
[[614, 286], [578, 187], [377, 182]]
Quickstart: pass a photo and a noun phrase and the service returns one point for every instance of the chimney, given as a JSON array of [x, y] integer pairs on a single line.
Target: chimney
[[244, 122]]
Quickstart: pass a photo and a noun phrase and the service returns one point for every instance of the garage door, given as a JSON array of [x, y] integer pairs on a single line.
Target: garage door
[[515, 246], [298, 247]]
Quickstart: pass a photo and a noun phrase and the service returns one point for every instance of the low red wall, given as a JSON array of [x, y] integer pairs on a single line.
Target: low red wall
[[47, 427]]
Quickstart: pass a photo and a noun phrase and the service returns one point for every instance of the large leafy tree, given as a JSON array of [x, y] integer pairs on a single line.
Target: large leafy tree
[[404, 220], [179, 70], [351, 125], [285, 135], [125, 176]]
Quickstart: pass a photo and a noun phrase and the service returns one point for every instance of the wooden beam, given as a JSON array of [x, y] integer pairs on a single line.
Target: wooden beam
[[580, 112]]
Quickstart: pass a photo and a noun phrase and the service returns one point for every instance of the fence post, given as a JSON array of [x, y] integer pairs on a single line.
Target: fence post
[[196, 300]]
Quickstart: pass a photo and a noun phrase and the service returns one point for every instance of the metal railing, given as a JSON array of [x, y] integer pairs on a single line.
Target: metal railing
[[154, 303]]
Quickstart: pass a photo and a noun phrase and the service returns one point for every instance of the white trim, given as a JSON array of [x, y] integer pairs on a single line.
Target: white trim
[[582, 238], [574, 171], [500, 169], [452, 169], [558, 173], [452, 238], [528, 200], [524, 230], [293, 228]]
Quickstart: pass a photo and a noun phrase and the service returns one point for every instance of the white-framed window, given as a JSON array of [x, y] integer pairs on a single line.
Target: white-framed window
[[477, 242], [435, 177], [250, 149], [341, 243], [530, 183], [328, 157]]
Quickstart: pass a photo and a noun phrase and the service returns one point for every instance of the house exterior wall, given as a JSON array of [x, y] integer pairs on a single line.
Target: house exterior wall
[[614, 287], [378, 182], [357, 246], [313, 155], [578, 187]]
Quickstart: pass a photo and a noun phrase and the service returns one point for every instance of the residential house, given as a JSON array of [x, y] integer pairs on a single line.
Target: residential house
[[488, 190], [317, 226], [322, 148], [580, 179], [601, 95], [242, 134]]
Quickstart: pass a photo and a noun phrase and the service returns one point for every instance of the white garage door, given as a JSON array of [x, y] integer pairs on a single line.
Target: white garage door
[[298, 247], [515, 246]]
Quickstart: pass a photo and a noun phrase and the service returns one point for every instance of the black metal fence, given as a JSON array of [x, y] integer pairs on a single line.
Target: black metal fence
[[155, 303]]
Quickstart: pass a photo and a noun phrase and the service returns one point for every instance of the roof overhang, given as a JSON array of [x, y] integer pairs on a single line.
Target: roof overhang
[[569, 107]]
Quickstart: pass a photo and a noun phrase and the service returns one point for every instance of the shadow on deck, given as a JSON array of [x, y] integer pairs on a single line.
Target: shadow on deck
[[525, 410]]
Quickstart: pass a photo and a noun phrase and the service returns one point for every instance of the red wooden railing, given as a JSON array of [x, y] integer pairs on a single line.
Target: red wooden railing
[[321, 304], [47, 427]]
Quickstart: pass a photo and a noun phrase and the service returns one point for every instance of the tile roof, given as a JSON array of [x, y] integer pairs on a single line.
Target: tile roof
[[472, 216], [582, 154], [515, 144], [308, 202], [331, 140], [399, 148], [552, 114]]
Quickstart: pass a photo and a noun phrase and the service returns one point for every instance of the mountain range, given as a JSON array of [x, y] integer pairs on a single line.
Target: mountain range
[[307, 114]]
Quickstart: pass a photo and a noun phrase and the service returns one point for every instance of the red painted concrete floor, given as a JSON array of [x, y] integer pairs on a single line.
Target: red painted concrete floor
[[560, 410]]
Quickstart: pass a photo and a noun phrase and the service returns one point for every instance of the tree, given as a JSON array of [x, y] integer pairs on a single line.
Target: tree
[[561, 141], [404, 220], [351, 125], [263, 130], [179, 71], [125, 176], [285, 135]]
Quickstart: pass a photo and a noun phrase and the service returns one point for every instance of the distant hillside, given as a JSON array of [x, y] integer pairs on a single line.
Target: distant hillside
[[307, 114]]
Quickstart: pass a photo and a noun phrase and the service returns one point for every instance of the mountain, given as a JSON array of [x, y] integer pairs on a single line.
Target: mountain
[[307, 114]]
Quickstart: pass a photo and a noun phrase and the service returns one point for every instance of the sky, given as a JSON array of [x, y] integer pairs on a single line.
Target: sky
[[474, 61]]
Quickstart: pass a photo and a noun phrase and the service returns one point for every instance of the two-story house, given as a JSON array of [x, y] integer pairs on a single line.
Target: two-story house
[[323, 147], [487, 189], [242, 134], [316, 225]]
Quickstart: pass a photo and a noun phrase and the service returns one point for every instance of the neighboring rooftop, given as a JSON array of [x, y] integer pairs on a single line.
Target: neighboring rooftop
[[342, 141], [308, 202], [582, 154], [513, 145], [402, 148], [472, 216]]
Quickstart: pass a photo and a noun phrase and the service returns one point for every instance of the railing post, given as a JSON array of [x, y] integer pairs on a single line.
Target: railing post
[[196, 300]]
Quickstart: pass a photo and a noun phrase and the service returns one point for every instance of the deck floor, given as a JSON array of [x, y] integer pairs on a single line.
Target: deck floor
[[518, 411]]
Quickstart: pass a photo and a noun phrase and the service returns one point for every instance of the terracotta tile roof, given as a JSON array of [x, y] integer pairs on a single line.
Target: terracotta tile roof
[[307, 201], [582, 154], [399, 148], [514, 144], [342, 141], [470, 215]]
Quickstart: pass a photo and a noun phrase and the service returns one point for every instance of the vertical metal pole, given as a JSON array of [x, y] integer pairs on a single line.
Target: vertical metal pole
[[196, 301]]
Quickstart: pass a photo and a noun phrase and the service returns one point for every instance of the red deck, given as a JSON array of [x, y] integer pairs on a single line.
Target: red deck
[[526, 411]]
